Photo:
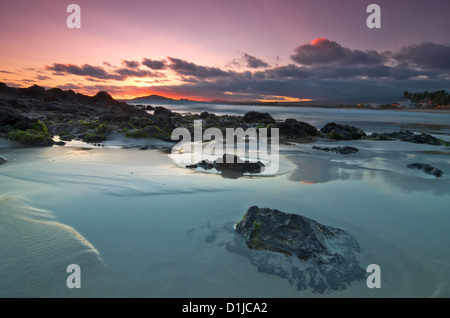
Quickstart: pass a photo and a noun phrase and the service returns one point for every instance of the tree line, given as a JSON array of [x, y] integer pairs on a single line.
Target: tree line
[[439, 97]]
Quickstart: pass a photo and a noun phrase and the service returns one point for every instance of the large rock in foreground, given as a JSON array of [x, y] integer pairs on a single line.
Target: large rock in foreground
[[307, 253]]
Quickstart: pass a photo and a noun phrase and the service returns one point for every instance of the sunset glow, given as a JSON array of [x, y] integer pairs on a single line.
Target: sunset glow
[[262, 50]]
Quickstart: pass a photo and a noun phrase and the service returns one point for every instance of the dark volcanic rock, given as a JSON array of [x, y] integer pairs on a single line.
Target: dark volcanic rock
[[426, 168], [293, 128], [301, 250], [257, 117], [342, 132], [231, 162], [346, 150], [408, 136], [230, 166], [162, 112]]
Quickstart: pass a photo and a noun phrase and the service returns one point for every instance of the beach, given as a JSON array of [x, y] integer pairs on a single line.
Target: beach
[[139, 225]]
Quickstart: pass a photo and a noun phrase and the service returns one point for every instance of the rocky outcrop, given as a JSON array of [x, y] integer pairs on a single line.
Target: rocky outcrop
[[301, 250], [230, 163], [342, 132], [2, 160], [426, 168], [346, 150], [292, 128], [257, 117], [408, 136]]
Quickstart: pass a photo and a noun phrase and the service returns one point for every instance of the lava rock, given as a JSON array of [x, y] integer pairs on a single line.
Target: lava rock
[[408, 136], [230, 166], [426, 168], [162, 112], [342, 132], [346, 150], [293, 128], [257, 117], [301, 250]]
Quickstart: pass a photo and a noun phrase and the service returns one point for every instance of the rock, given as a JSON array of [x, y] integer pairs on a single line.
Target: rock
[[231, 162], [408, 136], [2, 160], [206, 115], [342, 132], [162, 112], [59, 143], [426, 168], [149, 107], [296, 129], [230, 166], [93, 138], [346, 150], [301, 250], [257, 117]]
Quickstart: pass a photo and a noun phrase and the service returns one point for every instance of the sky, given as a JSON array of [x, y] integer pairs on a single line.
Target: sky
[[241, 50]]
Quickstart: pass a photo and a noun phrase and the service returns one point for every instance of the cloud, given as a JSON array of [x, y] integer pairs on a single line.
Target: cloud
[[186, 68], [84, 70], [322, 50], [43, 77], [126, 72], [254, 62], [154, 64], [321, 69], [425, 55], [130, 64], [96, 72]]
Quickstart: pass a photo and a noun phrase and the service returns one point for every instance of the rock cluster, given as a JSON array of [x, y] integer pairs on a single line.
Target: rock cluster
[[408, 136], [228, 163]]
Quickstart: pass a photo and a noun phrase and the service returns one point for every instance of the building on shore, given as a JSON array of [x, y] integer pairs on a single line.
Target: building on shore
[[370, 104]]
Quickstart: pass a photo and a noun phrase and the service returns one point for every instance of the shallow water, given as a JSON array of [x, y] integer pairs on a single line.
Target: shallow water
[[141, 226]]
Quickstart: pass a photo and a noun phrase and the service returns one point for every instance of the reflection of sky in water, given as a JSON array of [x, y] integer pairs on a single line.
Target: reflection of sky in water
[[384, 169]]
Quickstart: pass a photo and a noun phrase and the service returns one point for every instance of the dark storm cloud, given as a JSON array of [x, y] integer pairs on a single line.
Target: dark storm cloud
[[154, 64], [425, 55], [321, 51]]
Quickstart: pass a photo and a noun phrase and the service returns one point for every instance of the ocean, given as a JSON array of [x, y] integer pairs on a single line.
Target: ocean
[[139, 225]]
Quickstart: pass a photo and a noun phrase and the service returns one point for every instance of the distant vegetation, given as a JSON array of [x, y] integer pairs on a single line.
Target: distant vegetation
[[440, 97]]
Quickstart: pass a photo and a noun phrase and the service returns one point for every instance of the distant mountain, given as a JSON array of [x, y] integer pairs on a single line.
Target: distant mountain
[[150, 97]]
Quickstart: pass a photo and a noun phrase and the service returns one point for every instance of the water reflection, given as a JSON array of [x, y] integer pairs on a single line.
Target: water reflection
[[315, 170], [312, 170]]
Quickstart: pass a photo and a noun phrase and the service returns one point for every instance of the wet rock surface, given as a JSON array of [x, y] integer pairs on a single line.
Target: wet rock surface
[[345, 150], [230, 166], [342, 132], [408, 136], [301, 250], [426, 168]]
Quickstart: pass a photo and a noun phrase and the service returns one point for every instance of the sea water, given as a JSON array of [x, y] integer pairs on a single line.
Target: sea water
[[138, 225]]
